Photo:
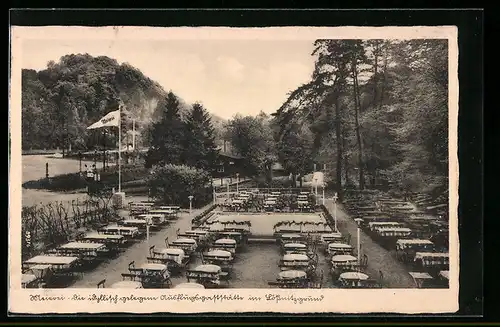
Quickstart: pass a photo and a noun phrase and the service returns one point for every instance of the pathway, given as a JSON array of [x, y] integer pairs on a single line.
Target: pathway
[[111, 270], [395, 273]]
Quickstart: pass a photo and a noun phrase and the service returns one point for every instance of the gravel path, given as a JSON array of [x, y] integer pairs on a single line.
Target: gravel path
[[395, 273]]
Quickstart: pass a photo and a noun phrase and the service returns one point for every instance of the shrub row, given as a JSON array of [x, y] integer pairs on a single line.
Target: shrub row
[[198, 219], [75, 181]]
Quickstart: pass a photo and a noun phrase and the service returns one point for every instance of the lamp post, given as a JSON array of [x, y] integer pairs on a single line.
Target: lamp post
[[323, 194], [190, 203], [214, 195], [358, 221], [237, 182], [335, 198], [80, 160], [148, 223], [316, 189]]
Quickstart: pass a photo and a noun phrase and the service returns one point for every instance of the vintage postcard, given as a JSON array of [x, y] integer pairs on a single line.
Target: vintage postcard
[[191, 170]]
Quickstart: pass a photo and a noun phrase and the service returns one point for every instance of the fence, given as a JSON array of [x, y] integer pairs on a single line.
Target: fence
[[50, 224]]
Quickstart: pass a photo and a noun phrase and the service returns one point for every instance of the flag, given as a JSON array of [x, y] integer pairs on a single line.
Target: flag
[[111, 119]]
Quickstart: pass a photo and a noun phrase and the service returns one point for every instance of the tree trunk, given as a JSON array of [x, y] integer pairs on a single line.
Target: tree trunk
[[338, 138], [358, 132], [346, 158], [382, 91], [375, 73]]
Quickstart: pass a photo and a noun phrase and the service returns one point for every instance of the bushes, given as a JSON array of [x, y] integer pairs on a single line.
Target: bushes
[[173, 184]]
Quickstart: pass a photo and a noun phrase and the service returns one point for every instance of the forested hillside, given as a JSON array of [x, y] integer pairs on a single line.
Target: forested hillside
[[59, 102], [375, 113], [374, 109]]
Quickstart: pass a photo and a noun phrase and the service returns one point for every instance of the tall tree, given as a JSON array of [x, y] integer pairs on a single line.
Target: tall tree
[[357, 54], [295, 151], [167, 135], [199, 142], [251, 137]]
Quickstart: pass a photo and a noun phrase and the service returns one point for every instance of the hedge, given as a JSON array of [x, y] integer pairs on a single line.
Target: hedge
[[173, 184], [75, 181]]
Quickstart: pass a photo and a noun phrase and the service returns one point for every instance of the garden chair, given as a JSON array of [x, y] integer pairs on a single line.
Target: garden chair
[[101, 284]]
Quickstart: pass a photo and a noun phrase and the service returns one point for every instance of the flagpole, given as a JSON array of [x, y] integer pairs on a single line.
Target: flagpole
[[120, 150]]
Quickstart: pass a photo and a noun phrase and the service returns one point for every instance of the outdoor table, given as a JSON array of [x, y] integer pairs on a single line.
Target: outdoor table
[[334, 248], [139, 223], [27, 280], [174, 258], [431, 259], [156, 219], [219, 255], [41, 271], [56, 262], [413, 243], [394, 231], [127, 284], [270, 202], [420, 278], [166, 213], [292, 274], [343, 261], [294, 248], [86, 249], [227, 244], [154, 267], [353, 275], [330, 237], [168, 209], [352, 278], [445, 274], [189, 285], [121, 230], [154, 274], [206, 275], [294, 261], [135, 207], [221, 258], [237, 201], [375, 224], [111, 241], [189, 245]]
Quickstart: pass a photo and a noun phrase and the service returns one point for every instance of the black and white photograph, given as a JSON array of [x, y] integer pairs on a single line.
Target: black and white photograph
[[189, 163]]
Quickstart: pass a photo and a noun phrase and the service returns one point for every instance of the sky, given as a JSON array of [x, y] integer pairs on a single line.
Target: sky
[[227, 76]]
